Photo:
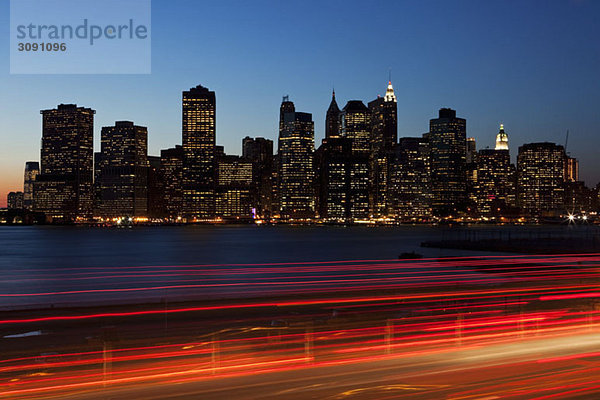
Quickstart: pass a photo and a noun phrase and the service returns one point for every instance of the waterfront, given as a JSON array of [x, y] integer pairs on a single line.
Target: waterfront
[[48, 259]]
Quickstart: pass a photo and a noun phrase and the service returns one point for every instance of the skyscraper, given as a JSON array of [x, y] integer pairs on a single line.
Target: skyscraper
[[63, 190], [171, 171], [447, 143], [384, 135], [332, 119], [260, 152], [32, 169], [199, 133], [123, 171], [410, 186], [356, 125], [342, 181], [493, 189], [384, 121], [296, 151], [14, 201], [540, 173], [234, 198]]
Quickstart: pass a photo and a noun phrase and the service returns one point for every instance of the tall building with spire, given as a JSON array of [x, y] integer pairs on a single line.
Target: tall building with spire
[[332, 120], [198, 140], [501, 139], [384, 136]]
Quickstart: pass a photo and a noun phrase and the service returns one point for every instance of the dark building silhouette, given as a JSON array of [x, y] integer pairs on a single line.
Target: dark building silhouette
[[384, 135], [63, 189], [541, 177], [122, 178], [410, 185], [260, 152], [156, 188], [342, 181], [332, 119], [296, 152], [199, 132], [447, 144], [32, 169], [171, 172], [14, 201]]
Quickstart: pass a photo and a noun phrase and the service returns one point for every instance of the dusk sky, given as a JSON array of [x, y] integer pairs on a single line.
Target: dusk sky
[[532, 65]]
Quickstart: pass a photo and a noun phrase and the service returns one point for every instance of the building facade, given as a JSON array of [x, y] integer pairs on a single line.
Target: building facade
[[260, 152], [234, 194], [171, 170], [296, 152], [198, 142], [122, 178], [32, 169], [63, 189], [410, 185], [540, 175], [14, 201], [447, 144], [384, 136]]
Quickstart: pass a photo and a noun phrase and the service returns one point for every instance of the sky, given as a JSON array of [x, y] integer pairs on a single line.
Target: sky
[[531, 65]]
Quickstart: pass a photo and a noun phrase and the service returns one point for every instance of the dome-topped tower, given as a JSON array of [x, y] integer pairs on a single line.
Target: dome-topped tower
[[501, 139]]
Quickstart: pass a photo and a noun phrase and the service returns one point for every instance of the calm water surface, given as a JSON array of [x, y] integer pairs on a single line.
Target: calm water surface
[[39, 259]]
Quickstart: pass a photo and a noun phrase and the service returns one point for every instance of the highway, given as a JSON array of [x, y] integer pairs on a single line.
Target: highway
[[524, 328]]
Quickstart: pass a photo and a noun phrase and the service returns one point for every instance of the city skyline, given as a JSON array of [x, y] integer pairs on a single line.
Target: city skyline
[[442, 55]]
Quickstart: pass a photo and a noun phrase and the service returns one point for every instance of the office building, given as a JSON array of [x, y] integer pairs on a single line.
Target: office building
[[63, 189], [32, 169], [447, 145], [198, 136], [541, 176], [296, 152]]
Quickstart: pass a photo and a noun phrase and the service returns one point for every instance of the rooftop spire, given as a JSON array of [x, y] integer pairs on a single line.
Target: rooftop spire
[[389, 93], [501, 139]]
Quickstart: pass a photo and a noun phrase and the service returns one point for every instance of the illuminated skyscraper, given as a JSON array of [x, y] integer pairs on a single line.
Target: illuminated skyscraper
[[356, 125], [342, 181], [296, 151], [384, 135], [571, 169], [14, 201], [410, 187], [234, 198], [123, 171], [540, 172], [32, 169], [332, 119], [63, 189], [501, 139], [384, 121], [199, 131], [171, 167], [493, 189], [447, 144]]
